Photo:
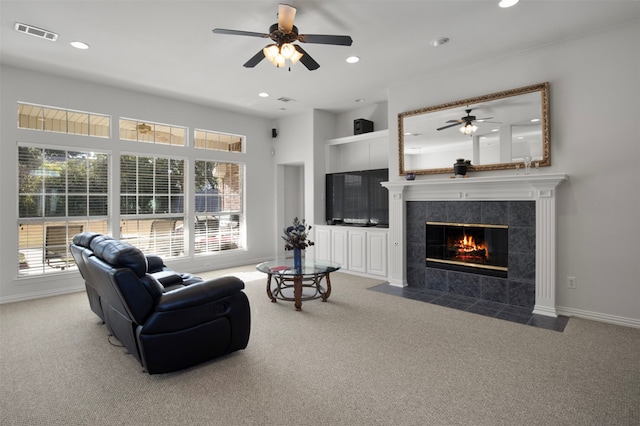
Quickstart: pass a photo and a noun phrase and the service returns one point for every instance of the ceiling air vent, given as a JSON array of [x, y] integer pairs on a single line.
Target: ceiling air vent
[[285, 99], [35, 31]]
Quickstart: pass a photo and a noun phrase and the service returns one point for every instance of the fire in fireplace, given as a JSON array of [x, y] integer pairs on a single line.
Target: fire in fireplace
[[477, 248]]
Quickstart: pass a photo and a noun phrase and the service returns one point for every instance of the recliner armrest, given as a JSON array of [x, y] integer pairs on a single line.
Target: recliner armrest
[[199, 293], [167, 278]]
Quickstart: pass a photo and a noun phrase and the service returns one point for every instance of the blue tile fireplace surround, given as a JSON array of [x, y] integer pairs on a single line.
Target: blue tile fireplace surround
[[517, 289]]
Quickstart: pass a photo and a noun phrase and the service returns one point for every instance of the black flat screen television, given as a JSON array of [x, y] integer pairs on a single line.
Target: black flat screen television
[[357, 198]]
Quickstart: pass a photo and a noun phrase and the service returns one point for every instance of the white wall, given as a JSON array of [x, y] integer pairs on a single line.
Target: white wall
[[293, 147], [28, 86], [301, 142], [595, 108]]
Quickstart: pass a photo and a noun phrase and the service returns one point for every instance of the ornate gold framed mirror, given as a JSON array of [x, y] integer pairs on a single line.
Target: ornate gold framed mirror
[[494, 132]]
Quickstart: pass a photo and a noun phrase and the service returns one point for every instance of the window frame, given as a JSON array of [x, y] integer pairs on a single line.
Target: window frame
[[66, 112], [33, 242], [151, 226], [218, 230]]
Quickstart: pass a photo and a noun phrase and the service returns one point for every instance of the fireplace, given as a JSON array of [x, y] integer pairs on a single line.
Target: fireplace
[[466, 247], [532, 262]]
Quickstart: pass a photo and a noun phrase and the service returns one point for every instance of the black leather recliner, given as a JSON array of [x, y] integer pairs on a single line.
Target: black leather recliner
[[168, 321]]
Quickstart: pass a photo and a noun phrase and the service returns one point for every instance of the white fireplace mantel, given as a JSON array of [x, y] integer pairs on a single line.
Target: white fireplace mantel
[[534, 187]]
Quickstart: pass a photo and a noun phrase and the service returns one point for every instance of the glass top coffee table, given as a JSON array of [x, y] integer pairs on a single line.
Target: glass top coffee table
[[298, 284]]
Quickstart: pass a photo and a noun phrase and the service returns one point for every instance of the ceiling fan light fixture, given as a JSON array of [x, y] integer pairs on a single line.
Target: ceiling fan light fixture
[[468, 129], [287, 50], [284, 34], [270, 52], [296, 57]]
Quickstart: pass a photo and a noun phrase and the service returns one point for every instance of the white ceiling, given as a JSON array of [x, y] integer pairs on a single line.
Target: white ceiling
[[167, 47]]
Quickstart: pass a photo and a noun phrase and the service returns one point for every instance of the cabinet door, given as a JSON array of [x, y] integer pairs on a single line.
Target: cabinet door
[[357, 251], [339, 247], [322, 244], [377, 253]]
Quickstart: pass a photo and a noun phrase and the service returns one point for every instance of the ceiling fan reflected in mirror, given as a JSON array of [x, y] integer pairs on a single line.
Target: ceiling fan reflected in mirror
[[285, 34], [468, 126]]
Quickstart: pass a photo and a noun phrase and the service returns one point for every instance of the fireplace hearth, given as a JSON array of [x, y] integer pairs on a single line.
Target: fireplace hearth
[[467, 247]]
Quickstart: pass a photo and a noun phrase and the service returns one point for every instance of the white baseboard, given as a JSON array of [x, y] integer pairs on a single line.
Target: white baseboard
[[596, 316], [40, 294]]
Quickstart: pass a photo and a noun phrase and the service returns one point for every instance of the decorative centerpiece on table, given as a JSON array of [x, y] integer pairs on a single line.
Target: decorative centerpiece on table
[[296, 238]]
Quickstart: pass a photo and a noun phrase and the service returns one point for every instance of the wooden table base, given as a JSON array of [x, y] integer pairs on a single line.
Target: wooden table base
[[298, 285]]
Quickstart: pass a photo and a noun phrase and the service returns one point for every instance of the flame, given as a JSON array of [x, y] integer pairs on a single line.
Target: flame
[[470, 250]]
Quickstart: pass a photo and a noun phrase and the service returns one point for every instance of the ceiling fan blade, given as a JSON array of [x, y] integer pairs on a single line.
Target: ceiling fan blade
[[241, 33], [340, 40], [446, 127], [455, 121], [286, 15], [482, 119], [307, 60], [255, 60]]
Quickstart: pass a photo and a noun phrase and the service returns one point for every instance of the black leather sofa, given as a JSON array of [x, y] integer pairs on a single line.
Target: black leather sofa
[[167, 320]]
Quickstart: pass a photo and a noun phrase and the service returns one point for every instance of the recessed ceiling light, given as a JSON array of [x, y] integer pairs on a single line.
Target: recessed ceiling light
[[535, 120], [263, 95], [79, 45], [353, 59], [508, 3], [494, 130], [439, 41]]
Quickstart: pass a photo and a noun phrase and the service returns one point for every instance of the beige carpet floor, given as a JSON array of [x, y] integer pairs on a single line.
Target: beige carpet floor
[[362, 358]]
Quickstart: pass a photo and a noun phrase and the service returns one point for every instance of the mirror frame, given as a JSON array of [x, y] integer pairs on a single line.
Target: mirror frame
[[543, 88]]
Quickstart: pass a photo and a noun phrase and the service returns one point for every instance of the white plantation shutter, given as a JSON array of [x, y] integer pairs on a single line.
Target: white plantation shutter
[[218, 205], [60, 193], [152, 203]]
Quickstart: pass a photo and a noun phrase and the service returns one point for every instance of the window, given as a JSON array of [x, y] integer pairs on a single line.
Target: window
[[60, 193], [145, 131], [216, 141], [37, 117], [65, 191], [152, 203], [218, 205]]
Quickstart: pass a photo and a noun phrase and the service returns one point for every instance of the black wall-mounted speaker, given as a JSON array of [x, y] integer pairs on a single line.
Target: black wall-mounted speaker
[[274, 133], [360, 125]]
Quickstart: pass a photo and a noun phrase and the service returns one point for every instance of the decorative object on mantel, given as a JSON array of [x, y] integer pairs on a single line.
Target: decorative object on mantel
[[411, 176], [296, 239], [460, 167]]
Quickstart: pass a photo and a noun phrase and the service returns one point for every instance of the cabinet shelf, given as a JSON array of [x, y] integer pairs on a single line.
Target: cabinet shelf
[[367, 151], [359, 138]]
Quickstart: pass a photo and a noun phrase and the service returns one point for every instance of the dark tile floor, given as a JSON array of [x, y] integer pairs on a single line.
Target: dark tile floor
[[477, 306]]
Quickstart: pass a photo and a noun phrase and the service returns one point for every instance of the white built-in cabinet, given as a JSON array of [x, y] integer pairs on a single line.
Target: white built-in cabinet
[[361, 251]]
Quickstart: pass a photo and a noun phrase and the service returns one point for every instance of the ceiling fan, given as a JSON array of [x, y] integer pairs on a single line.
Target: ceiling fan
[[284, 34], [468, 126]]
